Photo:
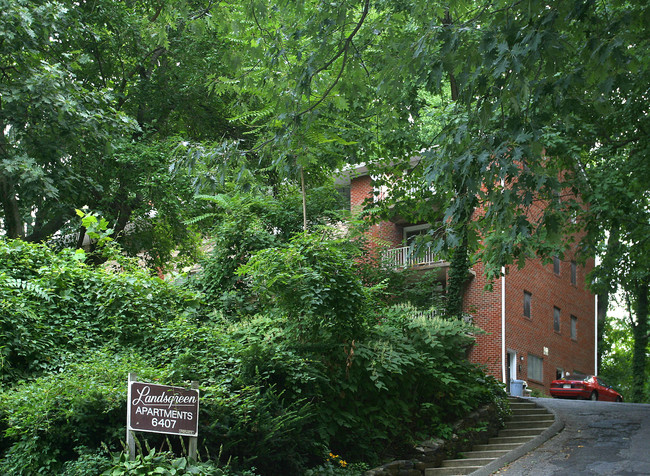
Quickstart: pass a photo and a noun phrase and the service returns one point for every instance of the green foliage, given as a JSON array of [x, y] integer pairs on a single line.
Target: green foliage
[[84, 123], [274, 393], [53, 306], [407, 379], [267, 394], [89, 463], [82, 406], [311, 282], [618, 351], [256, 388], [166, 464], [335, 465], [245, 224], [237, 237]]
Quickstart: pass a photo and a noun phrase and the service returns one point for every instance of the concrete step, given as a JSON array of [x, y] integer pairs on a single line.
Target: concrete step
[[497, 447], [525, 424], [519, 405], [534, 431], [529, 411], [454, 471], [529, 416], [487, 453], [454, 463], [520, 440]]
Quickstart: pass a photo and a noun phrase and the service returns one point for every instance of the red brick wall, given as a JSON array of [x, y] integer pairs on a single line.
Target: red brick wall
[[384, 234], [485, 307], [360, 190], [531, 335]]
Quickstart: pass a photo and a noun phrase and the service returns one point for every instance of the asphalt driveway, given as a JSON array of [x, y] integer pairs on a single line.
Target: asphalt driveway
[[599, 438]]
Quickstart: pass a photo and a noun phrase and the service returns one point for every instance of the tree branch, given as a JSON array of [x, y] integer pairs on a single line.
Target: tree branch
[[342, 51], [40, 233]]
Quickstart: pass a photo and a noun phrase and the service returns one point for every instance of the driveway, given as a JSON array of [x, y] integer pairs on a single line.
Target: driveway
[[599, 438]]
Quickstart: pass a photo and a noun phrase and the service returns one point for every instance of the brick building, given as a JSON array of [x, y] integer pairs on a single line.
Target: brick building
[[540, 321]]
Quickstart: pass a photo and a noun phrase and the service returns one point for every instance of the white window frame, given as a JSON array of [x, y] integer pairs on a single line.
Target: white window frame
[[408, 229]]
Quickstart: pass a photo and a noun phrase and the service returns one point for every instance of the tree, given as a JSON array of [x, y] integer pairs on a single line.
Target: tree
[[241, 224], [532, 98], [47, 119], [85, 124], [620, 225]]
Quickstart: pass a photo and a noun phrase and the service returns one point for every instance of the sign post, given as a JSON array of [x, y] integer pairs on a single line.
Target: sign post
[[130, 437], [162, 409]]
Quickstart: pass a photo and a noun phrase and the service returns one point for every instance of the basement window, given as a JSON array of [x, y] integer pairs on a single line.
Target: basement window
[[535, 368]]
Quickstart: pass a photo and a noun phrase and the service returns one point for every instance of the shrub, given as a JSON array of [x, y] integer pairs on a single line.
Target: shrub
[[82, 406], [320, 370], [408, 379], [166, 464], [311, 283], [53, 305], [255, 390]]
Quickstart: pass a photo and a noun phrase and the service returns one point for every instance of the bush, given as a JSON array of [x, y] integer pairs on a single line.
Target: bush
[[53, 305], [166, 464], [407, 380], [311, 283], [82, 406], [325, 368], [255, 390]]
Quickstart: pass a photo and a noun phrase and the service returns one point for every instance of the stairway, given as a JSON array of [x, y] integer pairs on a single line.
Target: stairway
[[526, 422]]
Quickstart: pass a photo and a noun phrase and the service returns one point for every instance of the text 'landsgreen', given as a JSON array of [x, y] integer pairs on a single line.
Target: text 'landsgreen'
[[163, 409]]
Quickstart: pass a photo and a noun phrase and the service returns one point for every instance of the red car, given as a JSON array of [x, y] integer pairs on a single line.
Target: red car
[[586, 387]]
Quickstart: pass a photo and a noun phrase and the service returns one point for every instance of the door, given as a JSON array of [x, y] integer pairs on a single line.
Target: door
[[511, 369]]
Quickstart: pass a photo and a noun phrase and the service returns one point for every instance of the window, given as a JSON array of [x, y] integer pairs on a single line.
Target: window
[[527, 300], [556, 319], [574, 328], [410, 232], [556, 265], [344, 192], [535, 369], [574, 273]]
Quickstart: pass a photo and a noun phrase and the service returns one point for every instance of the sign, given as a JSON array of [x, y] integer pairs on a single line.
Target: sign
[[163, 409]]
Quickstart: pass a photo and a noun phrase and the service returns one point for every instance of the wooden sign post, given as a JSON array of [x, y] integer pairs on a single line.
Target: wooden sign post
[[162, 409]]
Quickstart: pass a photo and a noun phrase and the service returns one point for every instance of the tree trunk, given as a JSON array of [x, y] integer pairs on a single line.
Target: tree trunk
[[640, 333], [304, 200], [601, 316], [460, 261], [605, 288], [12, 221]]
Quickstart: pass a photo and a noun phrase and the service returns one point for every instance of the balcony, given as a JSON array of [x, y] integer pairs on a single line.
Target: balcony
[[408, 257]]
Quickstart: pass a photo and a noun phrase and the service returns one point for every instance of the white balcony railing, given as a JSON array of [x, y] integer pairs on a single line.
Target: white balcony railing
[[429, 313], [406, 257]]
